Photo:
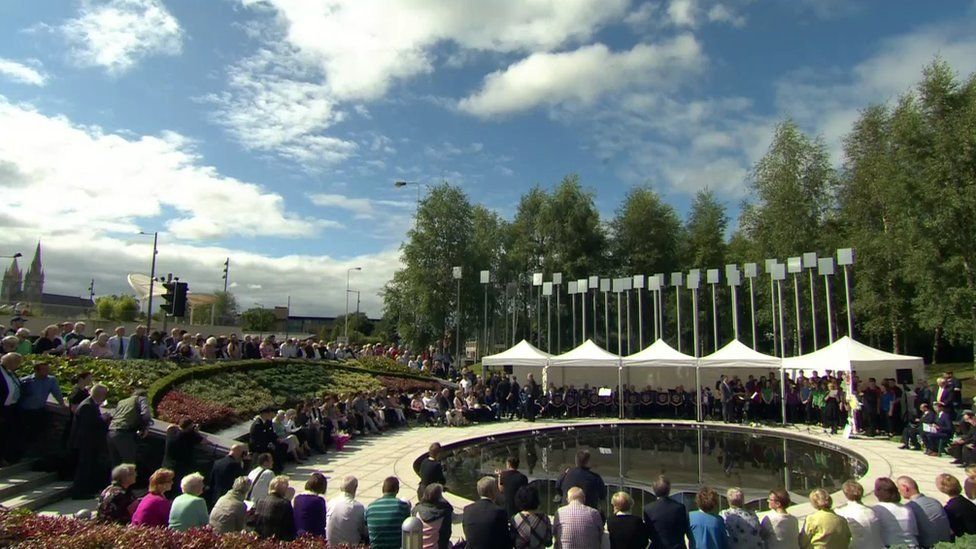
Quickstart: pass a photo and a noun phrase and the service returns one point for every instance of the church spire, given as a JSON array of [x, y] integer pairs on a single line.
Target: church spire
[[10, 286], [34, 278]]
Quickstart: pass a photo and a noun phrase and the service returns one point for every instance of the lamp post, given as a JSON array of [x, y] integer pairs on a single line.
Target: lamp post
[[152, 279], [456, 272], [711, 276], [752, 270], [605, 288], [639, 286], [400, 184], [537, 282], [557, 280], [620, 285], [845, 258], [594, 284], [485, 279], [677, 281], [770, 268], [581, 289], [794, 265], [572, 298], [694, 281], [825, 267], [345, 330], [810, 263], [733, 279], [779, 275], [547, 291], [660, 303], [654, 286]]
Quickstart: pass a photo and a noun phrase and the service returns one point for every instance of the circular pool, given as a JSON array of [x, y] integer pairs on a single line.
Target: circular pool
[[630, 457]]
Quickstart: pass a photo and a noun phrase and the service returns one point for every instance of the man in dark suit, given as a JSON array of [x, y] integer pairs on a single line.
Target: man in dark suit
[[941, 433], [485, 524], [582, 477], [225, 471], [728, 400], [666, 520], [262, 439], [510, 480], [912, 434], [89, 437], [961, 450]]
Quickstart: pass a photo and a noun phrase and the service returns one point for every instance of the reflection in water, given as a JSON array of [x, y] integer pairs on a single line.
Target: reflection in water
[[630, 457]]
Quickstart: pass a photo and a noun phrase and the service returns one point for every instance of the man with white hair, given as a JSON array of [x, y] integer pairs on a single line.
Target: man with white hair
[[75, 336], [345, 520], [576, 525], [117, 343], [930, 517], [486, 525], [88, 436], [189, 510]]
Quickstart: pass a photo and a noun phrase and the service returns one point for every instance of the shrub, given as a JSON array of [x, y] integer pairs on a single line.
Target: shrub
[[211, 416], [408, 386], [26, 530], [383, 364], [117, 375]]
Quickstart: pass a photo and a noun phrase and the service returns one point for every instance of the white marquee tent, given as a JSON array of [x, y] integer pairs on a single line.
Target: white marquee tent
[[587, 363], [846, 354], [524, 358], [737, 355], [659, 365]]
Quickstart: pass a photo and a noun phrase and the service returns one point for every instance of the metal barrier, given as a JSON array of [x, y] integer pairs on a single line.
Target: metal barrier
[[412, 531]]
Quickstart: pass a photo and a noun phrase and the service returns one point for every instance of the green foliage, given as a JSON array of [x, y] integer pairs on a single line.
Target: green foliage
[[646, 234], [112, 307], [225, 308], [360, 328], [120, 376], [258, 320], [384, 365], [964, 542]]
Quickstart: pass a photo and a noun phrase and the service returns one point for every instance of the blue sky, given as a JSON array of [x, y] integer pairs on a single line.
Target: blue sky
[[270, 131]]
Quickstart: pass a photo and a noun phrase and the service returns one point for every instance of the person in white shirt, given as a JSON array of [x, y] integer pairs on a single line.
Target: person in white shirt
[[288, 349], [864, 522], [779, 529], [345, 520], [117, 343], [898, 527], [260, 477], [930, 517]]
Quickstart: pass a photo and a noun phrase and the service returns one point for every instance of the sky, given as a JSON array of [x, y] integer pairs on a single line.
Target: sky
[[271, 132]]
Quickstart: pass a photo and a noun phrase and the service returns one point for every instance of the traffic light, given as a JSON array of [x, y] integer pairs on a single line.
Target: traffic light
[[174, 298]]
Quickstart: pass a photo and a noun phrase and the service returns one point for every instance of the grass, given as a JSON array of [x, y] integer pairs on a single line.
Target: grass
[[963, 371]]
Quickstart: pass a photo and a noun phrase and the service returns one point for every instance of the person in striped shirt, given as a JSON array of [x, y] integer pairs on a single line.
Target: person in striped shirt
[[385, 516]]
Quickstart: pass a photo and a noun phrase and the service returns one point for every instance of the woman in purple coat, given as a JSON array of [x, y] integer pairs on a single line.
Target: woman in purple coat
[[310, 507]]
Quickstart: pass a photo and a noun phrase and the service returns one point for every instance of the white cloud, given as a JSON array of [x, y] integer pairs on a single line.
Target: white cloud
[[117, 34], [363, 208], [107, 182], [363, 47], [19, 72], [720, 13], [583, 75], [682, 13]]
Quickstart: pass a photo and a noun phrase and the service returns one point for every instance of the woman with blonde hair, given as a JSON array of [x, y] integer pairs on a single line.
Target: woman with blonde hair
[[824, 528], [281, 431], [780, 529], [741, 524], [153, 509], [273, 515]]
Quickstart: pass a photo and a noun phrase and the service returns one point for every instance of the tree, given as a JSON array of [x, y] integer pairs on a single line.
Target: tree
[[257, 319], [125, 309], [705, 248], [225, 307], [105, 307], [645, 234]]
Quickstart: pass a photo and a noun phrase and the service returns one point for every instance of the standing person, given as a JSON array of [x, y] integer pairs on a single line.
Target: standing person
[[431, 470], [898, 525], [824, 528], [138, 346], [273, 515], [226, 470], [485, 524], [510, 481], [130, 423], [385, 516], [117, 343], [229, 514], [180, 445], [741, 524], [583, 478], [961, 511], [665, 519], [346, 518], [728, 400], [577, 525], [626, 530], [780, 529], [32, 406], [832, 403], [870, 407], [532, 529], [864, 522], [436, 514], [153, 508], [310, 508], [930, 517], [89, 438], [189, 510], [9, 397], [706, 526]]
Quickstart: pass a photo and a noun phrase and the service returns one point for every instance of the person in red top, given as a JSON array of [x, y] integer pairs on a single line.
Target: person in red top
[[153, 509]]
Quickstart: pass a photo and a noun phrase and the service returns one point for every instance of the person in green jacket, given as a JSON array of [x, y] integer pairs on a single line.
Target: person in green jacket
[[824, 528], [189, 509]]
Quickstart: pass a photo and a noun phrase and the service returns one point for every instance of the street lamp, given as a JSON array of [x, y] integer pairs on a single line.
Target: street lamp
[[399, 184], [15, 256], [345, 332], [152, 278]]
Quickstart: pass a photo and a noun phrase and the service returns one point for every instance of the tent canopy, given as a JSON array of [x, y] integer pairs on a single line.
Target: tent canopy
[[737, 355], [522, 354], [587, 354], [659, 354], [846, 354]]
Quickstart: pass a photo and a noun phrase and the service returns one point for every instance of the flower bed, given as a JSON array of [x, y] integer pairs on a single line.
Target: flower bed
[[211, 416], [25, 530], [407, 385], [384, 365]]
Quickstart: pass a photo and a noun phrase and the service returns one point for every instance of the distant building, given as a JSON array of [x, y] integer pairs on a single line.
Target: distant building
[[21, 287]]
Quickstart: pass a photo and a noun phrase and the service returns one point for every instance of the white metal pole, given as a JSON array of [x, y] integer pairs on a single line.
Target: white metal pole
[[735, 311], [813, 310], [772, 312], [657, 334], [677, 308], [694, 320], [628, 322], [573, 299], [595, 291], [660, 310], [549, 324], [620, 332], [782, 336], [714, 319], [606, 318], [484, 328], [559, 321], [847, 292], [830, 320], [752, 309], [640, 320], [799, 333]]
